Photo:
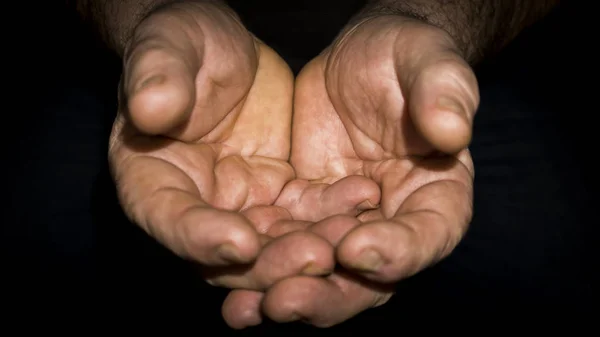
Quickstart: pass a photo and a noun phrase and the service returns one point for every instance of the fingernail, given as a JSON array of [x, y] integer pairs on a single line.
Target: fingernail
[[367, 204], [299, 318], [313, 269], [446, 103], [156, 79], [369, 261], [228, 252]]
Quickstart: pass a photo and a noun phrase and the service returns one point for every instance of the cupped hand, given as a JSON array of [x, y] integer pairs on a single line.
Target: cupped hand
[[199, 150], [391, 101]]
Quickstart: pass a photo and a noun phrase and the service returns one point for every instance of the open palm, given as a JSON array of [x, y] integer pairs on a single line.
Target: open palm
[[199, 150], [391, 102]]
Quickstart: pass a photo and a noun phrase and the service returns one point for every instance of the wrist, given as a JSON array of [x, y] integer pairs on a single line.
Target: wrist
[[460, 38], [478, 27], [411, 33], [114, 21]]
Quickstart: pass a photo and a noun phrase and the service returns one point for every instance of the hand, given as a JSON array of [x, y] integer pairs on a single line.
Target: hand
[[393, 101], [200, 146]]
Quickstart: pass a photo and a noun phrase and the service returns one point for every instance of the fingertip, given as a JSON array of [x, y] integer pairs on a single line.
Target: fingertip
[[447, 129], [318, 252], [241, 309], [284, 301], [242, 248], [313, 300], [160, 104], [349, 249], [230, 252], [377, 251], [217, 238], [350, 196], [160, 87], [361, 187], [335, 228], [442, 103], [264, 217]]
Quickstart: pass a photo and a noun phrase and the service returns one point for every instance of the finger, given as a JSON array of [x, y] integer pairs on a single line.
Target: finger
[[442, 99], [297, 253], [334, 228], [322, 302], [313, 202], [274, 221], [283, 227], [263, 217], [159, 74], [166, 203], [241, 308], [425, 229]]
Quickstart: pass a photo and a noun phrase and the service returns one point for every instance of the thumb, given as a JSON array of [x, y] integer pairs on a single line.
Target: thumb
[[159, 77], [442, 101]]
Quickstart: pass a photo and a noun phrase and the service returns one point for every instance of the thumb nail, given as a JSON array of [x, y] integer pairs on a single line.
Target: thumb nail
[[152, 80], [448, 104]]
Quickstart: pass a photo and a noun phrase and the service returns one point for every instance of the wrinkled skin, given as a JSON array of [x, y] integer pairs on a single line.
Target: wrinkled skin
[[200, 149], [392, 102]]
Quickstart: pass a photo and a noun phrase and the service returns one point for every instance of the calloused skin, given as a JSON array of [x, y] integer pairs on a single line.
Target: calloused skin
[[392, 101], [200, 150]]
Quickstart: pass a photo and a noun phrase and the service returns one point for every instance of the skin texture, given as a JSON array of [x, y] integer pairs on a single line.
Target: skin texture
[[479, 28], [114, 21], [392, 101], [379, 179], [199, 150]]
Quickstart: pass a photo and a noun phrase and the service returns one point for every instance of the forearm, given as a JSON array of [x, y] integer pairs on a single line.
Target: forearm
[[115, 20], [479, 27]]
